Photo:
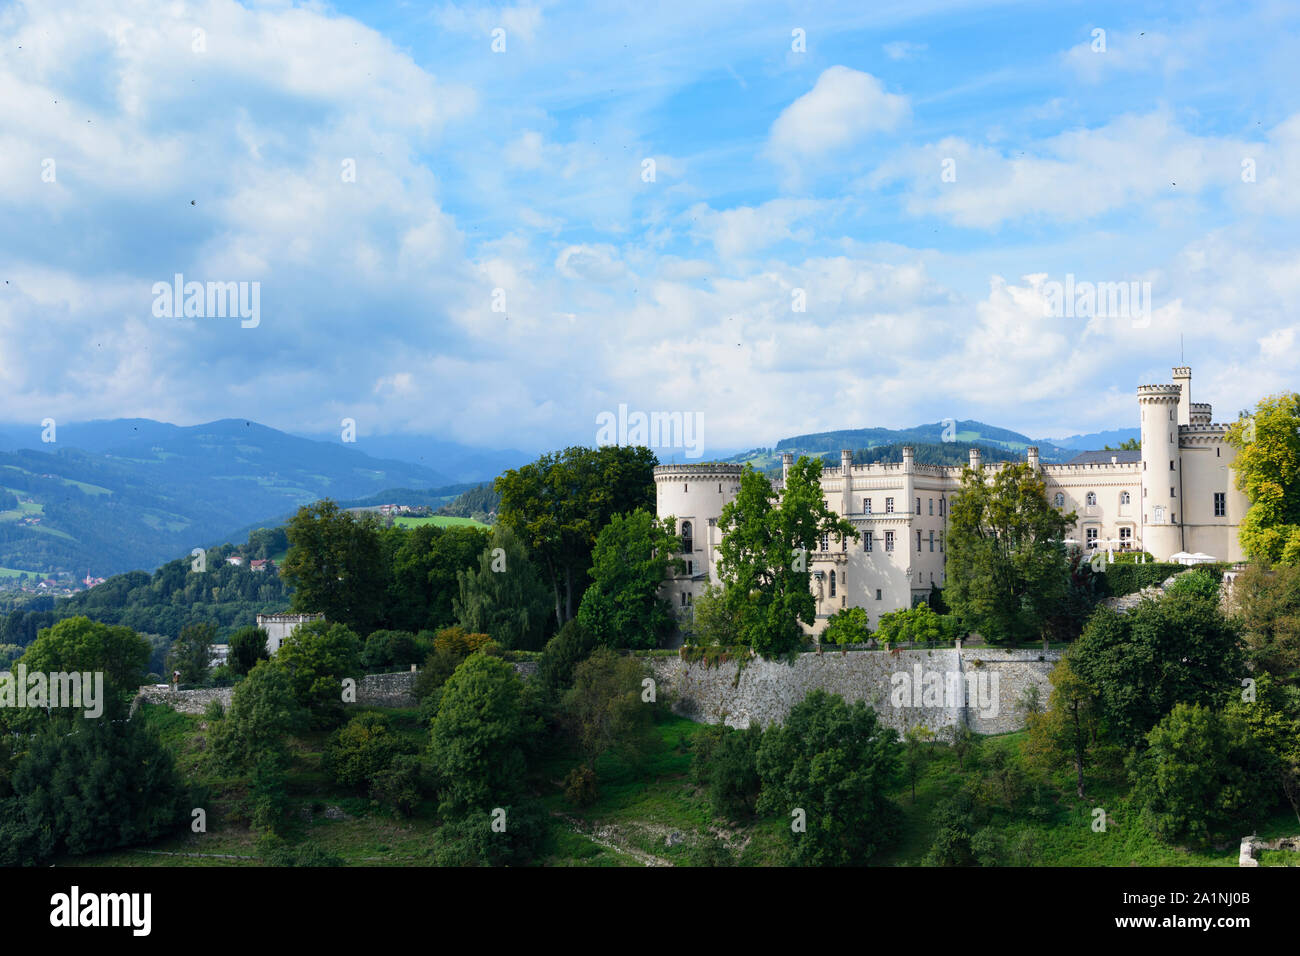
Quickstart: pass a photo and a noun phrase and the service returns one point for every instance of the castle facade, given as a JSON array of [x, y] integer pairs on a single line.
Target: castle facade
[[1176, 495]]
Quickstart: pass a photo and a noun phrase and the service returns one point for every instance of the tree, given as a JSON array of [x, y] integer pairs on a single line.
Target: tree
[[559, 503], [604, 710], [1066, 734], [451, 646], [763, 556], [336, 565], [731, 772], [1266, 606], [916, 625], [390, 649], [358, 751], [1006, 557], [263, 714], [714, 620], [80, 644], [505, 596], [623, 607], [191, 654], [1179, 649], [1268, 471], [317, 656], [1202, 776], [427, 562], [835, 762], [85, 785], [247, 647], [850, 625], [1272, 716], [915, 753], [478, 738], [565, 651]]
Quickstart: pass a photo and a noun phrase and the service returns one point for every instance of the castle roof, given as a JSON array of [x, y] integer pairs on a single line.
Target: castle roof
[[1104, 457]]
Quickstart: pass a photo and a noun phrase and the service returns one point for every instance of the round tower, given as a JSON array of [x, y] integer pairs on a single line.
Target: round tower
[[694, 495], [1161, 467]]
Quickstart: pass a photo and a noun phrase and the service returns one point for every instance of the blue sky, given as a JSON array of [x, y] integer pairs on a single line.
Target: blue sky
[[518, 177]]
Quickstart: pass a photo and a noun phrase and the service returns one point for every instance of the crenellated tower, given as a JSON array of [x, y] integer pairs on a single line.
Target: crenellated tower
[[1161, 407]]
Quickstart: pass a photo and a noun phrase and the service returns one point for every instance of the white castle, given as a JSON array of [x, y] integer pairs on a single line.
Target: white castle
[[1175, 497]]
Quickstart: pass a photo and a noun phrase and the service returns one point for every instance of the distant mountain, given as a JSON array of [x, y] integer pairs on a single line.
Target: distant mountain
[[1096, 441], [119, 495], [460, 463]]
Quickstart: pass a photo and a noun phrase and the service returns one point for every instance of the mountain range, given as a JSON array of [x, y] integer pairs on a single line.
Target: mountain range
[[125, 494]]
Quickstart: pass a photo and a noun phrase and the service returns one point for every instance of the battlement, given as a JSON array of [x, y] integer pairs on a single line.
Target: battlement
[[706, 469]]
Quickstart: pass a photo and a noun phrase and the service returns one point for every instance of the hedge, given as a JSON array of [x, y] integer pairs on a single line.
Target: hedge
[[1121, 579]]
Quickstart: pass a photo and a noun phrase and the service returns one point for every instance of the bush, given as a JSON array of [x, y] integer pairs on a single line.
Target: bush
[[276, 852], [580, 786], [472, 839], [733, 773], [565, 651], [358, 751], [402, 784]]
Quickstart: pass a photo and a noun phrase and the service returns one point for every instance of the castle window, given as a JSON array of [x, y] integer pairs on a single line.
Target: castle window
[[868, 541], [685, 487], [877, 594], [918, 541], [826, 542], [1171, 464], [1125, 497], [690, 567], [941, 512], [832, 584], [1059, 500], [1125, 537], [1092, 498], [719, 487], [889, 506], [1091, 534], [1171, 491], [866, 506], [1220, 504], [918, 505], [889, 541], [931, 506], [941, 542], [1217, 452], [931, 540], [688, 538], [844, 543]]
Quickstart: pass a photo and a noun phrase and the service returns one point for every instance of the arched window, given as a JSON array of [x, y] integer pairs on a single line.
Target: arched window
[[1092, 498], [1125, 497], [1059, 500], [688, 539]]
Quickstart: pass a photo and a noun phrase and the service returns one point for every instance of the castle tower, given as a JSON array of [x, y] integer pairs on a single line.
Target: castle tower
[[1031, 455], [975, 458], [1160, 407], [846, 471], [1183, 379], [787, 462]]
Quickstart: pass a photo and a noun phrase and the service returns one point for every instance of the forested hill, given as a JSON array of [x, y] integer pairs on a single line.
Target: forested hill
[[150, 491]]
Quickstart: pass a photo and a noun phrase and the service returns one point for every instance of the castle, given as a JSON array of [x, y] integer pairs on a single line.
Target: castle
[[1176, 495]]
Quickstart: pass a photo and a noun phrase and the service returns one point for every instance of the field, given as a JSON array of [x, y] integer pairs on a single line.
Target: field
[[441, 521], [654, 815]]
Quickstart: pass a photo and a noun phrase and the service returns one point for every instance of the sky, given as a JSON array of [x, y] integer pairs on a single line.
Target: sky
[[498, 223]]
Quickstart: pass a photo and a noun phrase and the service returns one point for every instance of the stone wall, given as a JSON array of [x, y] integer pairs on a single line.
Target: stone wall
[[185, 701], [387, 690], [983, 688]]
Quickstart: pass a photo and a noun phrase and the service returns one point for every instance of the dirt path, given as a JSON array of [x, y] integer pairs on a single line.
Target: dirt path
[[612, 837]]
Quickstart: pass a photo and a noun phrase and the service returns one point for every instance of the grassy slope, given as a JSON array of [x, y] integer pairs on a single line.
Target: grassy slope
[[442, 521], [638, 810]]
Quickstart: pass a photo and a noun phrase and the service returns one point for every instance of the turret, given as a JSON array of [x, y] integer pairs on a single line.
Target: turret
[[1160, 406], [787, 462], [975, 458], [1032, 455], [1183, 379]]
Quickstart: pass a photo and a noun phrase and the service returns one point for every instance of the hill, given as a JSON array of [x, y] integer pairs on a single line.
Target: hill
[[136, 493]]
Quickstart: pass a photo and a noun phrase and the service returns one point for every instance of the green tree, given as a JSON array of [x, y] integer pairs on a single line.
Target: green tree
[[478, 738], [731, 773], [1268, 471], [427, 562], [604, 711], [317, 656], [1266, 606], [85, 785], [836, 763], [850, 625], [623, 606], [505, 596], [336, 565], [915, 752], [714, 620], [247, 647], [359, 750], [764, 554], [1202, 776], [263, 714], [192, 652], [1066, 733], [565, 651], [1007, 565], [559, 503], [1179, 649], [80, 644], [916, 625]]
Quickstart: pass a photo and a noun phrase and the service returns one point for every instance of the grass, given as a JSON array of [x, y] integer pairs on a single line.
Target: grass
[[441, 521], [641, 808]]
